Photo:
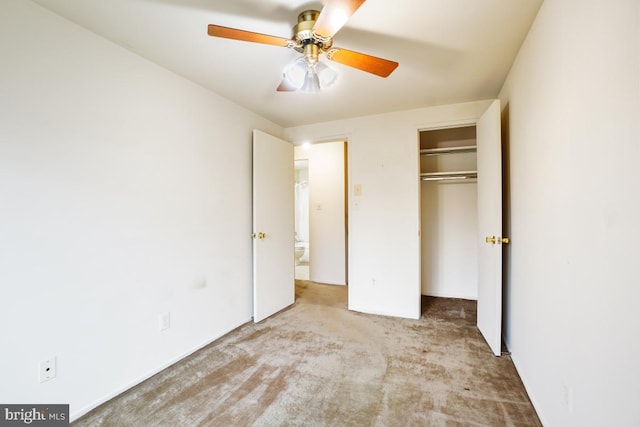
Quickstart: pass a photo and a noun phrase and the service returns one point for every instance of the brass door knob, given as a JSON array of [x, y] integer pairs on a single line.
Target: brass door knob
[[258, 235], [499, 240]]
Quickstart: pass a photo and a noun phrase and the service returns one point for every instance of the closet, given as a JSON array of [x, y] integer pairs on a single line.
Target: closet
[[449, 212]]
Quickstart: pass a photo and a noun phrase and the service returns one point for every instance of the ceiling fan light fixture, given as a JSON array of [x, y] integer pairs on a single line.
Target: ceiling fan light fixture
[[296, 72], [326, 75], [311, 82], [310, 77]]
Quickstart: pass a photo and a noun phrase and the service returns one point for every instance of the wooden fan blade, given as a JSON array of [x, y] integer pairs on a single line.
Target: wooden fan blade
[[285, 86], [370, 64], [247, 36], [334, 15]]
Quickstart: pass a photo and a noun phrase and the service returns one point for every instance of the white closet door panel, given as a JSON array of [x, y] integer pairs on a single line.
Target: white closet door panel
[[490, 226]]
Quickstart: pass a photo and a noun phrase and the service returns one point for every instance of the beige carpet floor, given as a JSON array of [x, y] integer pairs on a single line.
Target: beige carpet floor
[[318, 364]]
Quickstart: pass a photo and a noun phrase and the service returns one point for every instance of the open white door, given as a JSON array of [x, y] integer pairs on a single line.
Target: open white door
[[273, 225], [490, 227]]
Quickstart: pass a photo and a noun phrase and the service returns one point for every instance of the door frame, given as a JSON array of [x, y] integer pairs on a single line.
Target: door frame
[[345, 172], [434, 126], [439, 126]]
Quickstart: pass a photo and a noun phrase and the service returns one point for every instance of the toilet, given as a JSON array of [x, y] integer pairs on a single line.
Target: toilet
[[299, 251]]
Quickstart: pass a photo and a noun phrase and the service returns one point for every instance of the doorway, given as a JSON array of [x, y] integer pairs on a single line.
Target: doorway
[[489, 239], [301, 237], [321, 212], [449, 212]]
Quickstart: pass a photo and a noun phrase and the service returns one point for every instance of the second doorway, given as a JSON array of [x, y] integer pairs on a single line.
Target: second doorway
[[321, 212]]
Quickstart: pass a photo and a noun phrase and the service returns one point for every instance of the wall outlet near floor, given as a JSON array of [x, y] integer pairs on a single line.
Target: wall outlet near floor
[[47, 369], [164, 321]]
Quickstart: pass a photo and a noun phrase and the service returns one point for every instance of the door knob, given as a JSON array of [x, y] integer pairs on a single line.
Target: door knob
[[260, 235], [499, 240]]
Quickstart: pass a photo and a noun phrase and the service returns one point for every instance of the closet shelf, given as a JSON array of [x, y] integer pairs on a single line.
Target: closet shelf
[[447, 150], [448, 176]]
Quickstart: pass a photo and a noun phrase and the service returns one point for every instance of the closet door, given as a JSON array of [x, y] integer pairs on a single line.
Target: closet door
[[490, 227]]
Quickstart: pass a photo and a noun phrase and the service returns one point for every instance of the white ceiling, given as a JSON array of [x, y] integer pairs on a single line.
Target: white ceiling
[[449, 50]]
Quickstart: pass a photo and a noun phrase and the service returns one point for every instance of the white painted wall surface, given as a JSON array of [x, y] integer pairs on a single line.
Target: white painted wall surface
[[450, 239], [327, 214], [126, 193], [573, 104], [384, 221]]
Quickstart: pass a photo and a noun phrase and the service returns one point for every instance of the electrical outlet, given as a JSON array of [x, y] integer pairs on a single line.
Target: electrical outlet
[[164, 321], [47, 369]]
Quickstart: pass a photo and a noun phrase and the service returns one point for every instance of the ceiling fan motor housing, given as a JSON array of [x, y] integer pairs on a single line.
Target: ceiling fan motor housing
[[303, 33]]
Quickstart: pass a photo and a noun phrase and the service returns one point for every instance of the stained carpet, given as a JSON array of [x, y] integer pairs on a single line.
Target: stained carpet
[[318, 364]]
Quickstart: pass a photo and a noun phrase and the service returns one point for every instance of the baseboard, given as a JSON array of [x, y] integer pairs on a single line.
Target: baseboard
[[385, 313], [443, 295], [77, 414], [532, 398]]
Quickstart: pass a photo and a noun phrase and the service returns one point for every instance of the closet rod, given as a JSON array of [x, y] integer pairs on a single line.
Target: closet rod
[[448, 176], [448, 150]]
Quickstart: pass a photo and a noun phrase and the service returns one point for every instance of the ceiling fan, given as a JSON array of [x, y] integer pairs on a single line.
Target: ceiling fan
[[312, 36]]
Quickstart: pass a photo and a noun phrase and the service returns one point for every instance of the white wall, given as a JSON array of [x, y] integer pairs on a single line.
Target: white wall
[[125, 193], [572, 101], [384, 222], [450, 239], [327, 213]]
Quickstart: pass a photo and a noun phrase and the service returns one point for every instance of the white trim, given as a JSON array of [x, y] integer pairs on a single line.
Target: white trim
[[444, 295], [448, 125]]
